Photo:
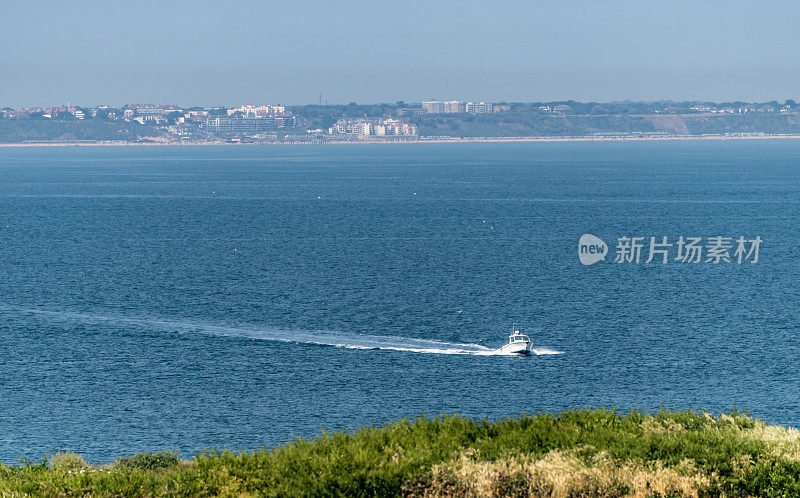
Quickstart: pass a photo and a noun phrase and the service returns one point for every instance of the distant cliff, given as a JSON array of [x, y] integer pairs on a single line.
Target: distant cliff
[[527, 124]]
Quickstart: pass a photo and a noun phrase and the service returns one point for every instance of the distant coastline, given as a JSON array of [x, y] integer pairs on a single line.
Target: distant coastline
[[432, 140], [448, 121]]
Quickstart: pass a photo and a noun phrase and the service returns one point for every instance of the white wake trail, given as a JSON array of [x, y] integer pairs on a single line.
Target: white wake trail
[[318, 337], [545, 351]]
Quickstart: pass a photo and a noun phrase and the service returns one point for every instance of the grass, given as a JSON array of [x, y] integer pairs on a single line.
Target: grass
[[570, 454]]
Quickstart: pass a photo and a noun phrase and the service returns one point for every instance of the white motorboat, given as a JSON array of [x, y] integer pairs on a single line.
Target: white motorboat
[[517, 344]]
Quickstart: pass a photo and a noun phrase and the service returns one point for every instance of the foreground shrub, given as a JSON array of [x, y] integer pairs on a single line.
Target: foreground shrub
[[68, 462], [515, 485], [571, 454], [149, 461]]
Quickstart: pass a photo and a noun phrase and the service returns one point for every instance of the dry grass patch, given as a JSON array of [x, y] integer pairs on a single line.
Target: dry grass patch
[[561, 474]]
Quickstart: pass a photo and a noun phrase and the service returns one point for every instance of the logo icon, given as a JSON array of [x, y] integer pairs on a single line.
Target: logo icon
[[591, 249]]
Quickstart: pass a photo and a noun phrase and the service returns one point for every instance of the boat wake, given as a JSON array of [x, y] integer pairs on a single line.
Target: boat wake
[[545, 351], [317, 337], [534, 351]]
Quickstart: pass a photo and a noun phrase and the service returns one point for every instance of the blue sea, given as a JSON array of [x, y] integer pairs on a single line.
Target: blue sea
[[241, 296]]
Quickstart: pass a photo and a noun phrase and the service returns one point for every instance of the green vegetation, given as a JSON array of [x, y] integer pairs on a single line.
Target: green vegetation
[[574, 119], [748, 123], [526, 121], [149, 461], [583, 453], [70, 130]]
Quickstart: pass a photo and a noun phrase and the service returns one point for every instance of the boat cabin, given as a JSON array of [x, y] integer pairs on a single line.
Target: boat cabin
[[517, 337]]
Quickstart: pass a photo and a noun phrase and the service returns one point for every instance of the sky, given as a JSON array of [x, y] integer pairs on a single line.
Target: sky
[[208, 53]]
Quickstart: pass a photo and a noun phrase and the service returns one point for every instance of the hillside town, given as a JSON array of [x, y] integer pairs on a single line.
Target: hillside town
[[247, 122], [399, 121]]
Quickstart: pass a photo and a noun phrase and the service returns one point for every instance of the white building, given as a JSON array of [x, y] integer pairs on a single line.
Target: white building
[[373, 127], [252, 111], [479, 108], [456, 107]]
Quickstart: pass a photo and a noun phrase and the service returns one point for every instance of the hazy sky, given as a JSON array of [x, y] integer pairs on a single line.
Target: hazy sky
[[230, 52]]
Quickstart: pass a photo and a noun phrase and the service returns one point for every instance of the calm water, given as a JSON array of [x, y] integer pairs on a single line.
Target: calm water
[[241, 296]]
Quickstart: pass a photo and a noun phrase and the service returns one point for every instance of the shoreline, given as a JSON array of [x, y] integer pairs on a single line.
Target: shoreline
[[436, 140]]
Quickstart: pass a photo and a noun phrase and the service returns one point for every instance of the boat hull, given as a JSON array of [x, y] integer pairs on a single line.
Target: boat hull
[[520, 349]]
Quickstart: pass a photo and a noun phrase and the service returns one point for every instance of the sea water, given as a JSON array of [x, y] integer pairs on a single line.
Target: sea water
[[241, 296]]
